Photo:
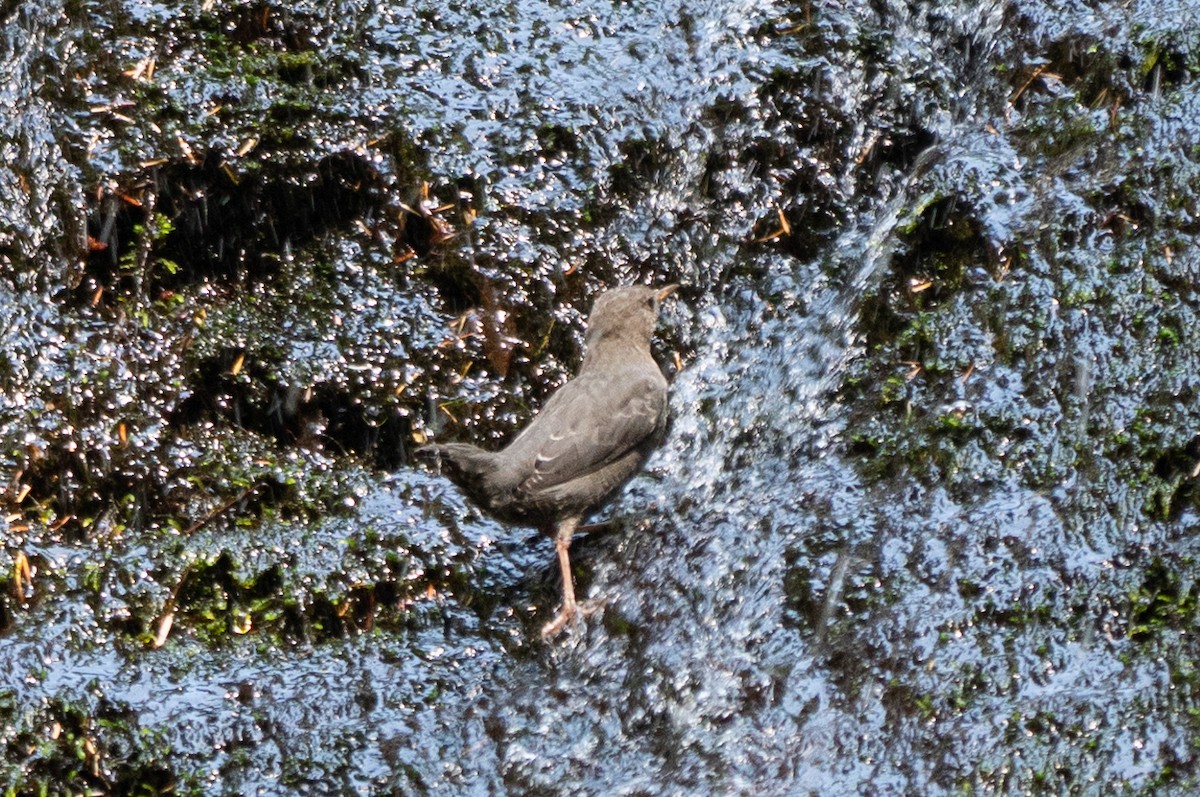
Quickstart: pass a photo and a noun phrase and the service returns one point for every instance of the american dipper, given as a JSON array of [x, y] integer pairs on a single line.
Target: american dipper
[[593, 434]]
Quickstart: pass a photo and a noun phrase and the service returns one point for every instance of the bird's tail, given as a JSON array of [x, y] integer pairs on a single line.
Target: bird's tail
[[466, 465]]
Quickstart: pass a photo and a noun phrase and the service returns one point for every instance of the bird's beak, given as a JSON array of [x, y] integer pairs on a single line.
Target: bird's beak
[[667, 291]]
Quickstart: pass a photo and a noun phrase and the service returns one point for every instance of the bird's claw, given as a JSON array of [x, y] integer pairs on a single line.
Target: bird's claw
[[570, 615], [588, 608], [555, 626]]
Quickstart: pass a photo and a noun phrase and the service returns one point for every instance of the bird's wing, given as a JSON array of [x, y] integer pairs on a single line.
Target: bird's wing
[[590, 422]]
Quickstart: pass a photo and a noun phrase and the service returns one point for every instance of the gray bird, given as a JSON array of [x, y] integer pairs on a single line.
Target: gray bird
[[593, 434]]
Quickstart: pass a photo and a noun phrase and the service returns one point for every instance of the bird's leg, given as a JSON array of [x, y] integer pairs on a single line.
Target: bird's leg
[[562, 544]]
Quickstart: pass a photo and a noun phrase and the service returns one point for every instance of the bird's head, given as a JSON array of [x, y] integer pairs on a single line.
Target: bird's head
[[628, 313]]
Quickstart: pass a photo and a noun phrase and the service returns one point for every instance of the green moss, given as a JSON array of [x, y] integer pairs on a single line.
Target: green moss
[[62, 748], [1162, 604], [894, 389]]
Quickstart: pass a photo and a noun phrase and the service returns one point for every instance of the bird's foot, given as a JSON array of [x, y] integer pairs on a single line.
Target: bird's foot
[[570, 615], [588, 608], [555, 626]]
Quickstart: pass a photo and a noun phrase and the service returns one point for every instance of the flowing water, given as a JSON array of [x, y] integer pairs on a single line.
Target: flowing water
[[923, 522]]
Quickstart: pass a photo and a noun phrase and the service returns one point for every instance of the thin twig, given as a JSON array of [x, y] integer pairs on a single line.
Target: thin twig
[[213, 515]]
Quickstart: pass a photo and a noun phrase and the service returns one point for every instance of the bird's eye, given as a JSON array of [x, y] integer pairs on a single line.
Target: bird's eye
[[650, 302]]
